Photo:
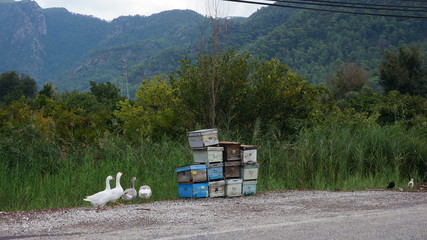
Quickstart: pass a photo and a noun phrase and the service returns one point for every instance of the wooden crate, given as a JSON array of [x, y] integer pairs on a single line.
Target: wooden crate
[[249, 171], [215, 171], [249, 187], [233, 187], [231, 151], [193, 190], [203, 138], [216, 189], [192, 173], [207, 154], [232, 169], [248, 153]]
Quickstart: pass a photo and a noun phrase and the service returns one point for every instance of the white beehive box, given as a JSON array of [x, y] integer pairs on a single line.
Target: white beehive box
[[216, 189], [249, 172], [203, 138], [208, 154], [248, 153], [233, 187]]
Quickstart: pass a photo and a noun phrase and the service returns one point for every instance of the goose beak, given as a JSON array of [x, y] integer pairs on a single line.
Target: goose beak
[[114, 179]]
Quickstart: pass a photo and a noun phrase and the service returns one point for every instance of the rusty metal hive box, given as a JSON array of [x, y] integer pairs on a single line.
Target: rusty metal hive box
[[231, 151], [232, 169]]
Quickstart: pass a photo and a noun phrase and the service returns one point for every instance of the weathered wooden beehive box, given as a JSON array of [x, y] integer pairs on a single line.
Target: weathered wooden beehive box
[[249, 187], [231, 151], [233, 187], [215, 171], [207, 154], [193, 190], [192, 173], [216, 189], [249, 171], [232, 169], [203, 138], [248, 153]]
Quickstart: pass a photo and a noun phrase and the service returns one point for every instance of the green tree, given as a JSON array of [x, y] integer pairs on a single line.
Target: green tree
[[215, 87], [48, 90], [282, 97], [348, 77], [155, 112], [106, 93], [14, 86], [404, 70]]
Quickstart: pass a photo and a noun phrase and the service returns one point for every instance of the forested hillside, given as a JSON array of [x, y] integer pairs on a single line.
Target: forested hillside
[[315, 43], [69, 50]]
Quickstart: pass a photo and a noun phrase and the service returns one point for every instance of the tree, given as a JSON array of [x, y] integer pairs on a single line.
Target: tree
[[348, 77], [404, 70], [155, 111], [106, 93], [14, 86], [48, 90]]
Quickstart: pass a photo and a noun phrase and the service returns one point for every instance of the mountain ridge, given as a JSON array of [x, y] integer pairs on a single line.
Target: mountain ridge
[[69, 49]]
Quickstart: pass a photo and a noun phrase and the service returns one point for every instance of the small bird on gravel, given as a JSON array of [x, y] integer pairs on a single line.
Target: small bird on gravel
[[391, 185], [411, 183]]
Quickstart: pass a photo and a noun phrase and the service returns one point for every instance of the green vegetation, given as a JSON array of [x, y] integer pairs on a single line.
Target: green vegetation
[[56, 148]]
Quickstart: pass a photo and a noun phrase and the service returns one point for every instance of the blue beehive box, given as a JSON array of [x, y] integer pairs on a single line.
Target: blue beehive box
[[249, 187], [193, 190], [215, 171]]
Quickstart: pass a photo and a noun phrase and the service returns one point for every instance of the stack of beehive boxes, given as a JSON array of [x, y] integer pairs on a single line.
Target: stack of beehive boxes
[[220, 168]]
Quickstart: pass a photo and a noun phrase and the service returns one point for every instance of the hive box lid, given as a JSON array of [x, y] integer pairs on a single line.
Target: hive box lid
[[248, 147], [202, 132], [253, 165], [191, 167], [234, 181], [250, 182], [229, 144], [208, 149], [232, 164], [214, 165]]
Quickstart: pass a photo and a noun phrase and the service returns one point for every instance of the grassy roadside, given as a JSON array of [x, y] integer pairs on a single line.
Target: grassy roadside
[[323, 158]]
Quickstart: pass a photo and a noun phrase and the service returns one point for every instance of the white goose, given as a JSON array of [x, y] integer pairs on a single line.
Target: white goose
[[99, 199], [130, 193], [116, 192], [144, 192], [411, 183]]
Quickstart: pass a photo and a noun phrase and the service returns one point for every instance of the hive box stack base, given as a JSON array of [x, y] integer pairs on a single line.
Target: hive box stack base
[[192, 181]]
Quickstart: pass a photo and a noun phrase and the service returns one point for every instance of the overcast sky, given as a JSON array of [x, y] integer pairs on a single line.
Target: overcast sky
[[110, 9]]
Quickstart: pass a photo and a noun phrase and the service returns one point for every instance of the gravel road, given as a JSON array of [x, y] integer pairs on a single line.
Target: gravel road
[[376, 214]]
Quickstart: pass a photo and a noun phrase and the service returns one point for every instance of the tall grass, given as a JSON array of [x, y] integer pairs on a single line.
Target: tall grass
[[344, 158], [328, 158]]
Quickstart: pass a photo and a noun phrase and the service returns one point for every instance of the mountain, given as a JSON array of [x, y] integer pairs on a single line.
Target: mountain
[[69, 50]]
